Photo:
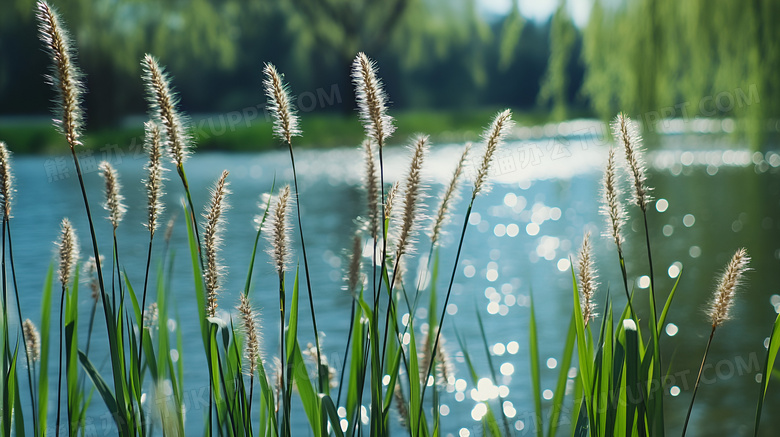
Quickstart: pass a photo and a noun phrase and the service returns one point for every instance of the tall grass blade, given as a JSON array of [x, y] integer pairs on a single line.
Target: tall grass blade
[[536, 379], [769, 365]]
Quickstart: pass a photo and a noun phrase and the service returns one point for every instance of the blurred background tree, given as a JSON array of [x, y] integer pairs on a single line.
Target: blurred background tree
[[584, 58]]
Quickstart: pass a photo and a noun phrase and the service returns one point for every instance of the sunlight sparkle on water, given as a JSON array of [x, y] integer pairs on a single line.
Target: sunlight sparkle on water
[[661, 205], [674, 269], [671, 329], [643, 281]]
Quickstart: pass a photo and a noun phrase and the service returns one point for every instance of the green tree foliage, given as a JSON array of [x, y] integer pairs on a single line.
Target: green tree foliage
[[556, 81], [662, 58]]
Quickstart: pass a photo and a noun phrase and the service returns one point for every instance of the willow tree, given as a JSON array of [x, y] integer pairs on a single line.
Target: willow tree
[[665, 58], [555, 85]]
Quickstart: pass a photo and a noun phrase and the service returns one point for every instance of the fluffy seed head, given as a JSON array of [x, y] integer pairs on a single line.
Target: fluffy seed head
[[155, 175], [353, 272], [400, 404], [278, 233], [627, 136], [6, 180], [252, 338], [68, 246], [162, 103], [212, 235], [32, 339], [723, 299], [587, 277], [151, 316], [65, 76], [493, 136], [371, 183], [413, 193], [390, 200], [279, 103], [444, 367], [612, 206], [449, 197], [90, 272], [371, 100], [116, 209]]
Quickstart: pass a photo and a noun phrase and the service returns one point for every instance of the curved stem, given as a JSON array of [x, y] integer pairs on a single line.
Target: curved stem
[[143, 301], [7, 229], [698, 379], [444, 308], [321, 377]]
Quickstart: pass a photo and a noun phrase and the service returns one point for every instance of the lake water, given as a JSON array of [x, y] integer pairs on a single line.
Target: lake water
[[520, 238]]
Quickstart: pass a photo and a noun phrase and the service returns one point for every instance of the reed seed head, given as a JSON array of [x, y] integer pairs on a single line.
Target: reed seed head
[[400, 404], [151, 316], [116, 209], [6, 180], [371, 183], [65, 76], [627, 136], [723, 299], [390, 199], [169, 229], [279, 103], [493, 136], [353, 272], [162, 103], [371, 100], [155, 175], [212, 236], [587, 277], [445, 371], [68, 246], [612, 206], [450, 196], [252, 338], [32, 339], [90, 271], [413, 193], [278, 233]]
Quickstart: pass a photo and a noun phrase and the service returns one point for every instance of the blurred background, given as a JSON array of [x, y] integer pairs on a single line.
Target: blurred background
[[442, 61]]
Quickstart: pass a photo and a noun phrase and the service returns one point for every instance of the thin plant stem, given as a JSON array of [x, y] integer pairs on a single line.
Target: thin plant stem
[[444, 308], [193, 217], [650, 263], [7, 230], [59, 370], [143, 299], [282, 354], [251, 393], [625, 283], [698, 379], [346, 350], [322, 379], [377, 286]]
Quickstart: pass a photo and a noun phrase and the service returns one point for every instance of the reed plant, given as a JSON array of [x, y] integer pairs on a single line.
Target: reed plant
[[253, 391]]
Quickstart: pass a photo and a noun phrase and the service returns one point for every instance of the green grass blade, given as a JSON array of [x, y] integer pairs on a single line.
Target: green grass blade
[[292, 325], [330, 409], [769, 365], [536, 379], [100, 384], [306, 391], [563, 374], [665, 311], [43, 369]]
